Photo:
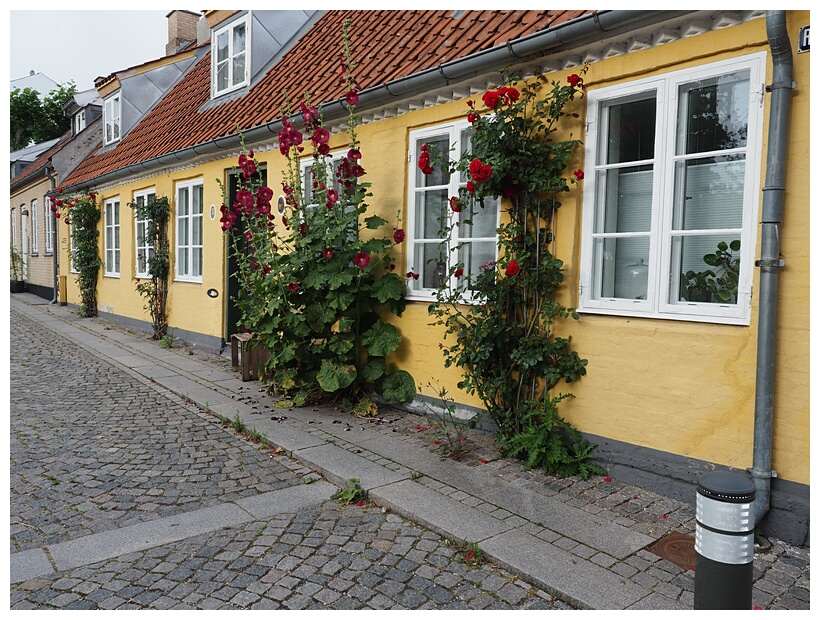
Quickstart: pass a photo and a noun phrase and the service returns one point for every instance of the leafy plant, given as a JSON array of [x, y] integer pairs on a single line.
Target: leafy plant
[[167, 341], [351, 493], [470, 554], [507, 341], [155, 212], [83, 214], [317, 281], [450, 432], [719, 284], [15, 265]]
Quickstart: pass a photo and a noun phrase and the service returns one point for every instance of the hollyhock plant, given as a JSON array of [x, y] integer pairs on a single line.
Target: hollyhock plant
[[398, 236]]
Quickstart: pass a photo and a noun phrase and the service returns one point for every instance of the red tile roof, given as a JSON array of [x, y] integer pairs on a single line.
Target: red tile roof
[[385, 45]]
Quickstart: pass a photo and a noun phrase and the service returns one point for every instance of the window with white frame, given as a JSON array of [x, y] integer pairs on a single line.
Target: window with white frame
[[14, 228], [112, 237], [35, 228], [309, 185], [189, 231], [671, 204], [111, 112], [144, 242], [230, 56], [473, 243], [48, 220], [79, 121]]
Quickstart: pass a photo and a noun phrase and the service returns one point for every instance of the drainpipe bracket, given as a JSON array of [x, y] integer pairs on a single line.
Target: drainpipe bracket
[[791, 85], [761, 473], [770, 263]]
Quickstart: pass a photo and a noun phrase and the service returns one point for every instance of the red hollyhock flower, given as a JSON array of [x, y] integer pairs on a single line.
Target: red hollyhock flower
[[352, 97], [398, 236], [491, 99], [512, 268], [354, 154], [327, 253], [320, 136], [574, 79], [455, 205], [361, 260], [293, 286], [579, 174]]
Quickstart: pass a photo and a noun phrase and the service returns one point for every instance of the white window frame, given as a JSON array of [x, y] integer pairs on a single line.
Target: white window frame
[[14, 243], [233, 82], [111, 237], [453, 132], [112, 113], [333, 159], [48, 220], [79, 121], [35, 232], [187, 251], [141, 247], [657, 303]]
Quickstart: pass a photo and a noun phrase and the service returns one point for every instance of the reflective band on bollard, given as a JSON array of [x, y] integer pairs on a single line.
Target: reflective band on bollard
[[724, 541]]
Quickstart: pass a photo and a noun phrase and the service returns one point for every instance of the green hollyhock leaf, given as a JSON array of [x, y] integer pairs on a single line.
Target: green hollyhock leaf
[[388, 288], [381, 339], [333, 377], [398, 387], [374, 368], [374, 221], [338, 279]]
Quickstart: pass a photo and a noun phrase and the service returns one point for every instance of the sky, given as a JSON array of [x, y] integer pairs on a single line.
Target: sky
[[84, 44]]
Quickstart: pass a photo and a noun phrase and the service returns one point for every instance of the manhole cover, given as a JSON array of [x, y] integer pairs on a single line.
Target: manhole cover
[[677, 548]]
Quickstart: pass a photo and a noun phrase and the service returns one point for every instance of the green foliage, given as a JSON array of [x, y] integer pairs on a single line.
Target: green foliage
[[83, 214], [167, 341], [32, 120], [156, 212], [351, 493], [317, 281], [15, 265], [451, 430], [506, 341], [719, 284]]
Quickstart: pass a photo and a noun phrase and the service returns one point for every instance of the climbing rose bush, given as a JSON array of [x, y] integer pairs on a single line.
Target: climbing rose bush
[[507, 339]]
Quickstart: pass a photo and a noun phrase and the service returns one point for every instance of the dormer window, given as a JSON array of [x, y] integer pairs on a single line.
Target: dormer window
[[111, 112], [230, 56], [79, 121]]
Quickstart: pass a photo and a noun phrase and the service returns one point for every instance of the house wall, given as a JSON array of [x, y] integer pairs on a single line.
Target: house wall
[[40, 264], [681, 388]]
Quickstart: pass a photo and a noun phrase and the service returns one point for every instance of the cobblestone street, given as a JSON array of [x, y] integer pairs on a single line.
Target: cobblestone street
[[96, 449]]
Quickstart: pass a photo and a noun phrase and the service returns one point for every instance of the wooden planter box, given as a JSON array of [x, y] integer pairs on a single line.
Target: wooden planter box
[[249, 355]]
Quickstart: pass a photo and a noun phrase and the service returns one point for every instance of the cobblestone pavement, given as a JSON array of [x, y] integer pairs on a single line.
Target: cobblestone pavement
[[95, 447]]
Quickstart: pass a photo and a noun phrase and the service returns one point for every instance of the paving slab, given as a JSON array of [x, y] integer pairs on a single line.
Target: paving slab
[[565, 575], [438, 512], [28, 564], [124, 540], [338, 465], [290, 500]]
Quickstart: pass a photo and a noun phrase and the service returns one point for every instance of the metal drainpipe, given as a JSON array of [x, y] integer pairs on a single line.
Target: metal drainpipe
[[54, 235], [770, 262]]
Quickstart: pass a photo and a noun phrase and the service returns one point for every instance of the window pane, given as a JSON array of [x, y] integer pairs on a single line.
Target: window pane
[[437, 145], [197, 200], [621, 268], [484, 218], [474, 254], [707, 268], [238, 69], [713, 114], [196, 226], [184, 234], [182, 201], [431, 211], [430, 261], [196, 267], [630, 131], [623, 200], [239, 39], [222, 76], [222, 47], [709, 193]]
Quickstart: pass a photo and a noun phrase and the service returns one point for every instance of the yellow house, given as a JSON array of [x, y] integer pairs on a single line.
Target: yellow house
[[687, 120]]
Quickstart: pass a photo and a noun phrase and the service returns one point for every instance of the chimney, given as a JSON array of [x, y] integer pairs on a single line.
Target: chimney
[[181, 30]]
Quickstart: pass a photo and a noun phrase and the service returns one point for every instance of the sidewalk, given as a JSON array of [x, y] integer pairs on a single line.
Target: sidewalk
[[584, 541]]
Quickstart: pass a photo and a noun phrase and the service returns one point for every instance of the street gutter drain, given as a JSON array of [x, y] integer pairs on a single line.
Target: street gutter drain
[[677, 548]]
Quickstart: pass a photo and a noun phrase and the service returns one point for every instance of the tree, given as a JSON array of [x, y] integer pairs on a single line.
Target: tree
[[34, 120]]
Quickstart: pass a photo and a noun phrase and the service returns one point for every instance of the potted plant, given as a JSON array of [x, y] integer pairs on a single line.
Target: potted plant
[[716, 285], [16, 275], [696, 285]]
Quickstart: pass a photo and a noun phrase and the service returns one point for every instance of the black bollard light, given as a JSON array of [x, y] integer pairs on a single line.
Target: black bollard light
[[724, 541]]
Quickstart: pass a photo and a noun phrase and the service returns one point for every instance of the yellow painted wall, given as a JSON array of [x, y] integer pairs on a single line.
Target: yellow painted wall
[[675, 386], [40, 263]]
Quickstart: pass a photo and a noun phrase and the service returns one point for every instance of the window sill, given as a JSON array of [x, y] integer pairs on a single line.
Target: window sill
[[111, 275], [691, 318], [188, 280]]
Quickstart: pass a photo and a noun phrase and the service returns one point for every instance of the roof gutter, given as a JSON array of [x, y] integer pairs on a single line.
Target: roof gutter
[[575, 32], [770, 262]]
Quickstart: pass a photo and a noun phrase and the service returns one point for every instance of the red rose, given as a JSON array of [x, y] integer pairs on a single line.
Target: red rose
[[491, 99], [424, 162], [473, 117], [455, 205], [361, 260], [574, 79], [470, 187], [513, 94], [579, 174], [398, 236], [512, 268], [480, 171], [459, 272]]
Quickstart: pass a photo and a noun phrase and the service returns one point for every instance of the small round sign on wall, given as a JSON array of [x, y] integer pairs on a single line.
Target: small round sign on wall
[[213, 212], [213, 293]]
